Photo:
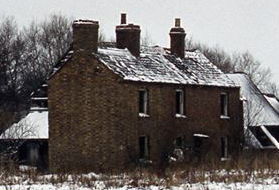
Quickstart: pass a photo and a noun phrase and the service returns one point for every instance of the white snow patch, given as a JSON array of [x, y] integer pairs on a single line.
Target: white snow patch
[[33, 126], [224, 117], [180, 116], [201, 135], [143, 115]]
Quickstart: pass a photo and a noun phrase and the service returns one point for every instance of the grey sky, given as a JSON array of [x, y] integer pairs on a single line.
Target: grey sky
[[235, 25]]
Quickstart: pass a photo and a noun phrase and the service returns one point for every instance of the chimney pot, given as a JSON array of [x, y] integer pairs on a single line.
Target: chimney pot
[[177, 22], [123, 18]]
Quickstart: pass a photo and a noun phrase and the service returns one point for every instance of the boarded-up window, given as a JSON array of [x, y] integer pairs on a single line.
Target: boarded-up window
[[143, 101], [144, 147], [179, 102]]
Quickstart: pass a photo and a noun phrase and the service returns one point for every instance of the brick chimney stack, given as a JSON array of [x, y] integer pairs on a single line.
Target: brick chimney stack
[[128, 36], [85, 35], [177, 39]]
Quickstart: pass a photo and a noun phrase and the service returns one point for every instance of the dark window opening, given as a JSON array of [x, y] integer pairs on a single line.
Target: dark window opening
[[179, 102], [224, 104], [197, 143], [179, 142], [224, 147], [144, 147], [143, 101]]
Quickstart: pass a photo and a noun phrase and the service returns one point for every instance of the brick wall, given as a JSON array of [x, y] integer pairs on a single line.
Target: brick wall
[[94, 123]]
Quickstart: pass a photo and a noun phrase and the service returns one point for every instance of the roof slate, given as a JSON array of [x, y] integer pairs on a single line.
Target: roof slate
[[157, 65]]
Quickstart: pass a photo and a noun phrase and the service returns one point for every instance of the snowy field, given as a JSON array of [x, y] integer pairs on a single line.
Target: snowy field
[[231, 180], [268, 185]]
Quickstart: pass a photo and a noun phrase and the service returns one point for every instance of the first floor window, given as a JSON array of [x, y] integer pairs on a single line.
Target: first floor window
[[179, 102], [143, 101], [224, 147], [144, 147], [224, 104]]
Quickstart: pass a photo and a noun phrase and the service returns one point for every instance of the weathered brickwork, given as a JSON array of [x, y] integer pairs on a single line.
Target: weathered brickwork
[[94, 122]]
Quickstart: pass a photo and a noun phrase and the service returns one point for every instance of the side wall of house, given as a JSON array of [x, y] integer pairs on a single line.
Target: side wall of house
[[95, 124], [86, 105]]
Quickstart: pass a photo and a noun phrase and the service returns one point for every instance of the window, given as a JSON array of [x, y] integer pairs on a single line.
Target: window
[[224, 104], [143, 101], [144, 147], [179, 95], [224, 147], [178, 142]]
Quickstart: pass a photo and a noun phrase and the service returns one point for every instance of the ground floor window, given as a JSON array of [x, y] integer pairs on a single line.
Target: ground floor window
[[144, 147], [179, 142], [224, 147]]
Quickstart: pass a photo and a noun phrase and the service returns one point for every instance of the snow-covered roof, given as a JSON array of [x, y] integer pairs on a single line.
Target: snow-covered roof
[[257, 110], [273, 101], [32, 126], [156, 64]]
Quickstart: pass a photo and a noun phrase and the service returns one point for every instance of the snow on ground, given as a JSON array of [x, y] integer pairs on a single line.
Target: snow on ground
[[197, 186], [123, 182]]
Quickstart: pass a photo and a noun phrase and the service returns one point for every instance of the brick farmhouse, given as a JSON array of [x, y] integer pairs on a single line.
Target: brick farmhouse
[[112, 105]]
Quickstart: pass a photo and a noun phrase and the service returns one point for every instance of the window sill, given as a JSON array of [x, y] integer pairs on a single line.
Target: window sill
[[224, 117], [143, 115], [180, 116], [145, 161], [225, 159]]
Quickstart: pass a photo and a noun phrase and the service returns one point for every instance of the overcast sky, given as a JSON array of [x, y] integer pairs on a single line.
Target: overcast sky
[[235, 25]]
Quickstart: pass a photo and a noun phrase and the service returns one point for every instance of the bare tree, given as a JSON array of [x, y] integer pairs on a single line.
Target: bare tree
[[27, 56], [101, 36], [55, 38], [12, 139], [146, 39], [245, 62], [238, 62], [12, 51], [273, 89], [216, 55], [253, 117]]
